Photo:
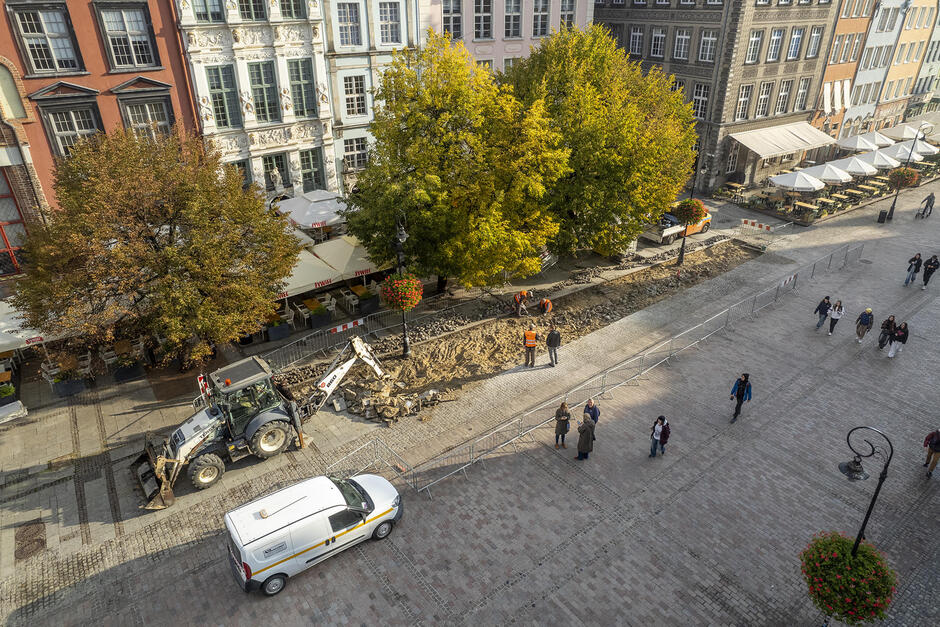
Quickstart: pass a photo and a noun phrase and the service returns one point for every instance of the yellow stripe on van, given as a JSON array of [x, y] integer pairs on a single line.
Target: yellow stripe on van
[[322, 543]]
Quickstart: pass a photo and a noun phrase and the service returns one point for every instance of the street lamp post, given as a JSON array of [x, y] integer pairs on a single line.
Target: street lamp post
[[910, 155], [400, 237], [698, 161], [854, 471]]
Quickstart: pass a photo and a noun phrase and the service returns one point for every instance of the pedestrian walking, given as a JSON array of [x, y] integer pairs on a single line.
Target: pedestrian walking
[[864, 323], [932, 444], [585, 437], [913, 267], [562, 424], [822, 309], [898, 340], [530, 340], [741, 393], [553, 341], [835, 314], [928, 204], [888, 328], [659, 436], [930, 266]]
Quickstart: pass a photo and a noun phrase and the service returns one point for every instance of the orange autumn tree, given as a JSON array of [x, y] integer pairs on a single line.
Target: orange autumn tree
[[153, 236]]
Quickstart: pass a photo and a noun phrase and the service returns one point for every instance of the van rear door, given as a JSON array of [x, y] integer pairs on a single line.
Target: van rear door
[[236, 562]]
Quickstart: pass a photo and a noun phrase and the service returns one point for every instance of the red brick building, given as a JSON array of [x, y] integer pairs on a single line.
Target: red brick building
[[68, 70]]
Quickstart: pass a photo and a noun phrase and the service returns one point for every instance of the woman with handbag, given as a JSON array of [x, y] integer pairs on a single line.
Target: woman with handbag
[[562, 424]]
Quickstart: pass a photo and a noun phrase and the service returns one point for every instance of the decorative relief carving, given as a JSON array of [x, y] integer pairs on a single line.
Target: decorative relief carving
[[215, 58], [791, 68], [321, 93], [771, 70], [205, 109], [184, 4], [695, 17], [237, 35], [789, 16], [231, 5], [258, 55], [749, 72], [285, 135], [248, 105], [286, 102], [231, 143], [199, 39], [288, 32]]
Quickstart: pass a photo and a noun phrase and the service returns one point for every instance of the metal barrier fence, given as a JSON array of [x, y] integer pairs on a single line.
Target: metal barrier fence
[[458, 459], [761, 236], [373, 455]]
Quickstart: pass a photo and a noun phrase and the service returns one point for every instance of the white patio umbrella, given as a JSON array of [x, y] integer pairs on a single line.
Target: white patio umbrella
[[797, 181], [857, 143], [877, 138], [902, 153], [920, 146], [854, 166], [908, 131], [828, 173], [879, 160]]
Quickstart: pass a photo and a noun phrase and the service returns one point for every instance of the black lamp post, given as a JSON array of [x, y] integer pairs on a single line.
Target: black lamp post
[[854, 471], [907, 164], [698, 161], [400, 237]]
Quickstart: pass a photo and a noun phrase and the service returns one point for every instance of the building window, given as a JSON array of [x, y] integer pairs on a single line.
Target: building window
[[907, 86], [244, 169], [888, 88], [485, 64], [783, 96], [147, 118], [128, 36], [508, 62], [680, 49], [866, 60], [68, 126], [846, 49], [356, 152], [540, 18], [12, 229], [302, 88], [763, 99], [293, 9], [900, 54], [513, 18], [208, 10], [223, 92], [774, 45], [815, 39], [744, 102], [348, 17], [677, 85], [453, 18], [389, 23], [706, 46], [264, 91], [48, 41], [567, 13], [483, 19], [836, 49], [275, 163], [856, 46], [732, 159], [929, 16], [753, 46], [252, 10], [355, 89], [700, 100], [636, 40], [762, 2], [802, 94], [311, 169], [658, 42], [796, 41]]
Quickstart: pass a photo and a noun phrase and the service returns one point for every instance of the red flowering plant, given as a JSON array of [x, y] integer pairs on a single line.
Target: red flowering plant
[[903, 177], [850, 589], [402, 291]]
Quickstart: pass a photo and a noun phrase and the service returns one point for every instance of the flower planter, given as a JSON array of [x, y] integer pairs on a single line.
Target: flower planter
[[278, 332], [369, 305], [318, 320], [68, 387], [6, 400], [128, 373]]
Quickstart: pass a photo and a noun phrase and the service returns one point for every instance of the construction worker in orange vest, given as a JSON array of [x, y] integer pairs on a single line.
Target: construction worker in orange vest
[[530, 340], [521, 297], [545, 306]]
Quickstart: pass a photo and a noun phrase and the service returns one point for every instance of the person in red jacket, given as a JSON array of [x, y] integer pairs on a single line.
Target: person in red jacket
[[932, 444], [659, 436]]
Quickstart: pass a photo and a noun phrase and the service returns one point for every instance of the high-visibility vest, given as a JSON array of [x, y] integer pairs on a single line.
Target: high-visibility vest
[[529, 339], [546, 305], [520, 296]]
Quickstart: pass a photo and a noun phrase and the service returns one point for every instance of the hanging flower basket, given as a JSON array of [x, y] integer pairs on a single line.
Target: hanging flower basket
[[904, 177], [402, 291], [851, 590], [689, 211]]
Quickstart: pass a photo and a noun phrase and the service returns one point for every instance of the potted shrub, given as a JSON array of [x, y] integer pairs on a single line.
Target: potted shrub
[[278, 330], [320, 317], [67, 384], [903, 177], [368, 303], [128, 368], [7, 394], [850, 589], [402, 291]]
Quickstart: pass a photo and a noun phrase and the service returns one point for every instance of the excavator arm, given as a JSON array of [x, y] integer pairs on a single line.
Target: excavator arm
[[334, 376]]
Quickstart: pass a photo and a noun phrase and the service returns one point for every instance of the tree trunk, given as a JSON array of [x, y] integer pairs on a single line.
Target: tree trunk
[[441, 283]]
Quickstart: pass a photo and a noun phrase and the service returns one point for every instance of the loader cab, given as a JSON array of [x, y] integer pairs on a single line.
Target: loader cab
[[243, 390]]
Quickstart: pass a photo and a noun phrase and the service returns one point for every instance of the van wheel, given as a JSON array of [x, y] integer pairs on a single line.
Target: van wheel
[[269, 440], [381, 532], [206, 470], [273, 584], [705, 227]]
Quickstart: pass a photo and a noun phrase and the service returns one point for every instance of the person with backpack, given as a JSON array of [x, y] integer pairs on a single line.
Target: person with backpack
[[888, 328], [864, 323], [913, 267], [659, 436], [898, 340], [930, 266], [741, 392], [822, 309], [928, 205], [835, 314], [932, 444]]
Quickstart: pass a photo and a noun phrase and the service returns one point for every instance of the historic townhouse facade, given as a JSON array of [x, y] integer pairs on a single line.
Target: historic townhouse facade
[[913, 38], [925, 86], [260, 82]]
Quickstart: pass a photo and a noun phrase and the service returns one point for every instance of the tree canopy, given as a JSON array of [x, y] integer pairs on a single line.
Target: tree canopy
[[463, 164], [153, 236], [629, 135]]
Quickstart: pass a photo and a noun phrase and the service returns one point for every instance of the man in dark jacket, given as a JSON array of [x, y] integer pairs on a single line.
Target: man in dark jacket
[[592, 411], [913, 268], [930, 266], [887, 330], [932, 444], [585, 438], [553, 341], [741, 392], [928, 204], [863, 324], [823, 310]]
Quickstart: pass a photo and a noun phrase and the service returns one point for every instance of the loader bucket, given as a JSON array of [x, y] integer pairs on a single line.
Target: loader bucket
[[149, 472]]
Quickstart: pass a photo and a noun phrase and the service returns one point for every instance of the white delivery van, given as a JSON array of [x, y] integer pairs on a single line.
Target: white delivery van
[[282, 534]]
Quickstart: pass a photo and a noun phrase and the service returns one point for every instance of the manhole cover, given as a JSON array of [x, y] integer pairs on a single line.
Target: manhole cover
[[864, 260], [30, 538]]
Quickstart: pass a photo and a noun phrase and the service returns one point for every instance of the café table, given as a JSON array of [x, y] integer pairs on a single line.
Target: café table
[[855, 192], [842, 197], [806, 205], [360, 290], [868, 188]]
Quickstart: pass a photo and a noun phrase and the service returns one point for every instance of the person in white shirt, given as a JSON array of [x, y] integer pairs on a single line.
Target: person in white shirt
[[835, 314]]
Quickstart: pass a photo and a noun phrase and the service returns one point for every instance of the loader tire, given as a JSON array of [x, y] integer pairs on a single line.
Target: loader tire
[[206, 470], [270, 439]]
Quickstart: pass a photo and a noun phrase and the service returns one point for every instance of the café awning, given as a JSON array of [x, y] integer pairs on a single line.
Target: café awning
[[314, 209], [347, 255], [12, 333], [774, 141], [309, 273]]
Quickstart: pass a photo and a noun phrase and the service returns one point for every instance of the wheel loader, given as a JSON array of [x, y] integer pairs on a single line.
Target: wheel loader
[[242, 413]]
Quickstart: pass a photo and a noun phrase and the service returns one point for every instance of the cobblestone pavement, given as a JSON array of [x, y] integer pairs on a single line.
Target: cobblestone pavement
[[708, 534]]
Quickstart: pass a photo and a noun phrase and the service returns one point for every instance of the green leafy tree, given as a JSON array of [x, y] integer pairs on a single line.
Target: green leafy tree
[[463, 164], [630, 136], [153, 236], [688, 212]]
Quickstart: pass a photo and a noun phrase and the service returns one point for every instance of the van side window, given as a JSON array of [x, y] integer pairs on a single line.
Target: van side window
[[344, 519]]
